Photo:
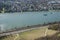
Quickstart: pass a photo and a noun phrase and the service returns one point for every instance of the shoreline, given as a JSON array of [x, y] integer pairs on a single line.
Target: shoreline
[[19, 31], [32, 11], [28, 28]]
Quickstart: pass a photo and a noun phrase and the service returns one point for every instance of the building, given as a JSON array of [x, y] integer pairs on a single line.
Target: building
[[55, 5]]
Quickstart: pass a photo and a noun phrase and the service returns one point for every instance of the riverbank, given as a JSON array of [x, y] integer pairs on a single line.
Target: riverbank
[[30, 12], [23, 29], [19, 31], [31, 35], [33, 26]]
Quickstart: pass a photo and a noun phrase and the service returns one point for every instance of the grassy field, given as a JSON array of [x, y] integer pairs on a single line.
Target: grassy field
[[31, 35]]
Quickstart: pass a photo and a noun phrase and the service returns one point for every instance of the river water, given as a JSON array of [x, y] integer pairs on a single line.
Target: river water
[[10, 21]]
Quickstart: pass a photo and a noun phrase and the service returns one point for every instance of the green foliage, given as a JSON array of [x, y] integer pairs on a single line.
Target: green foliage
[[54, 27]]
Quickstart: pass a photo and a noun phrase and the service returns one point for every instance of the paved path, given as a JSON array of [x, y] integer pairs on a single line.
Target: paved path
[[17, 35], [16, 32]]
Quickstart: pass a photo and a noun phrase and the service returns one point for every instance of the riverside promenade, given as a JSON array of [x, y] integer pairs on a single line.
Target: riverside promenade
[[28, 28], [19, 31]]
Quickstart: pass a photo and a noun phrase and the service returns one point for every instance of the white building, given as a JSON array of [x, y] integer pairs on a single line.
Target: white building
[[54, 4]]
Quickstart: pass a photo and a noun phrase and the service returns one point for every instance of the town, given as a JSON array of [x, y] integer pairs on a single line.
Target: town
[[7, 6]]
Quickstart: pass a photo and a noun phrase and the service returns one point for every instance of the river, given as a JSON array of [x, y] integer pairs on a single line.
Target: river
[[10, 21]]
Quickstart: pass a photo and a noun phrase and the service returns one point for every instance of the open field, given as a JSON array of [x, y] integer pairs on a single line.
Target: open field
[[32, 34]]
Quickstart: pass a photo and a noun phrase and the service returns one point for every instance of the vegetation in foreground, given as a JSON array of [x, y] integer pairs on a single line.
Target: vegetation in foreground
[[38, 34]]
